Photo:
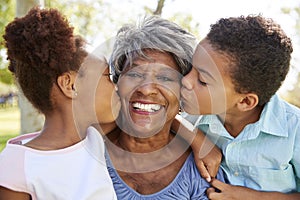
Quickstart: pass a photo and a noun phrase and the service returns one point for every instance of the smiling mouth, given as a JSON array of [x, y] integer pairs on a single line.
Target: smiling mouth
[[151, 108]]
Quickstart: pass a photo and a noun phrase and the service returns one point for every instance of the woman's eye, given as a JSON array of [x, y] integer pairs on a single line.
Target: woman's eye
[[134, 75], [165, 78]]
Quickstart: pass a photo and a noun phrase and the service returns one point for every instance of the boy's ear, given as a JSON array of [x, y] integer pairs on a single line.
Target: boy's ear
[[248, 102], [66, 83]]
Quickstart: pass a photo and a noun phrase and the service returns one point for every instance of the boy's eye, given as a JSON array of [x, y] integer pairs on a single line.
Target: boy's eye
[[202, 83]]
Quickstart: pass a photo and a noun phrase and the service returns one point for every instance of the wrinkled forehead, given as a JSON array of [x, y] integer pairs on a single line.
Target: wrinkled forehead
[[152, 58], [153, 68]]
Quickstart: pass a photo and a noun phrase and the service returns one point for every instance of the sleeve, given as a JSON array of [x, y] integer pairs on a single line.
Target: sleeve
[[95, 144], [12, 174], [193, 119], [220, 175], [296, 157]]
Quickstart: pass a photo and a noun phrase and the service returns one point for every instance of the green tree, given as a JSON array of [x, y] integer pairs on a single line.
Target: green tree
[[93, 19], [6, 76], [293, 95], [8, 12], [183, 19]]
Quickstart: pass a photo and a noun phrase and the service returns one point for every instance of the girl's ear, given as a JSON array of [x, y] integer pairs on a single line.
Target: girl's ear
[[248, 102], [66, 83]]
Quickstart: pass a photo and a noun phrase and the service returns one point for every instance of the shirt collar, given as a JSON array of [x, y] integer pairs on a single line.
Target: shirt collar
[[272, 121]]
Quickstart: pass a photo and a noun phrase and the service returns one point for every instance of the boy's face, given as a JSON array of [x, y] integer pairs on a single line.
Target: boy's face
[[208, 88]]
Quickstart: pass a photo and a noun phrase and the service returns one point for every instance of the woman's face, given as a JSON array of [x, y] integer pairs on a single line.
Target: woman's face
[[149, 92], [96, 94]]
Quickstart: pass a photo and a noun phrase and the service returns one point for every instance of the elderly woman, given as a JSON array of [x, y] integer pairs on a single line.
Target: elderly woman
[[146, 160]]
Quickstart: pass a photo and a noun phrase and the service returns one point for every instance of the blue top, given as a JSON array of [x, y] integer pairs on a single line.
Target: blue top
[[265, 156], [188, 184]]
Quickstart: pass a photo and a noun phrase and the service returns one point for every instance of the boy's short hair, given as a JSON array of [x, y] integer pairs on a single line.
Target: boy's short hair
[[259, 51]]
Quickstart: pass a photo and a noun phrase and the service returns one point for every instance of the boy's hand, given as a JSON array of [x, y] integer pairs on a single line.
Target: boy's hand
[[226, 191], [207, 156], [231, 192]]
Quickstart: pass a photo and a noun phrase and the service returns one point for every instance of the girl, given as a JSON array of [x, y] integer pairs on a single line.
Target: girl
[[65, 160]]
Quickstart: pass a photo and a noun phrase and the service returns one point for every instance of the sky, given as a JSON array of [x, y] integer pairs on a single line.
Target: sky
[[207, 12]]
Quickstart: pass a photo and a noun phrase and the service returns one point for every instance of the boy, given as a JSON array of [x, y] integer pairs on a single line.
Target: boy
[[237, 70]]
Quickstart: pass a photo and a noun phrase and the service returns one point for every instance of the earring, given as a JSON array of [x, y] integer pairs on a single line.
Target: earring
[[74, 90]]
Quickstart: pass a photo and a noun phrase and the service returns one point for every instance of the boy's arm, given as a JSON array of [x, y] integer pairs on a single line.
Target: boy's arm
[[207, 156], [230, 192]]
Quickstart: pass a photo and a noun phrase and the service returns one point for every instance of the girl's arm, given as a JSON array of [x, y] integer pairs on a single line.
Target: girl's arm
[[6, 194]]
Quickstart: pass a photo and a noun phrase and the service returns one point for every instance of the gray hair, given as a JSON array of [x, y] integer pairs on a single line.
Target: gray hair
[[153, 33]]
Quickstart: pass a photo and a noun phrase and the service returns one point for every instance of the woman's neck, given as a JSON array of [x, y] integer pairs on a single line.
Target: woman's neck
[[144, 145]]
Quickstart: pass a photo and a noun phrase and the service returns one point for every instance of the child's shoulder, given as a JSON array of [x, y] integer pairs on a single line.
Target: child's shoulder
[[290, 108]]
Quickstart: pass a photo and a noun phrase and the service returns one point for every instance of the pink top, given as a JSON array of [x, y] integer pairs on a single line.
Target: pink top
[[75, 172]]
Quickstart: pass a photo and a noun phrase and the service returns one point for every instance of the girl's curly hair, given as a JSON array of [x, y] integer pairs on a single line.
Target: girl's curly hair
[[40, 47]]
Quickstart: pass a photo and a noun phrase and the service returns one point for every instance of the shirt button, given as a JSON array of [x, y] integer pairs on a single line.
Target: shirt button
[[236, 173], [214, 128]]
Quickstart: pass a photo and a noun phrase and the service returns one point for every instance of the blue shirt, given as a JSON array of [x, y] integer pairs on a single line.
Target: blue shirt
[[188, 184], [265, 156]]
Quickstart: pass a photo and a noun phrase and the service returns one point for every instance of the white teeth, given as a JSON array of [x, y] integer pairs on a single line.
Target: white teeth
[[146, 107]]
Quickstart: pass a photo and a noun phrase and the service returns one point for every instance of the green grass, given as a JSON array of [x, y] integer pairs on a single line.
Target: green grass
[[9, 124]]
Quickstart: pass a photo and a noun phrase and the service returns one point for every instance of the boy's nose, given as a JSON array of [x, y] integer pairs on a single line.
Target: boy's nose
[[187, 81]]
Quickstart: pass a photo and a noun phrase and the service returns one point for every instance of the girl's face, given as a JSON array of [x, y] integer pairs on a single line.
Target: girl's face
[[97, 97]]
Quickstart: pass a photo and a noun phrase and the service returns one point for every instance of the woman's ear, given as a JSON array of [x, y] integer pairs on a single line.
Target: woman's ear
[[66, 83], [248, 102]]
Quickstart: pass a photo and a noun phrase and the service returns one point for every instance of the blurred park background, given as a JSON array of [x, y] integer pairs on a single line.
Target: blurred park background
[[99, 20]]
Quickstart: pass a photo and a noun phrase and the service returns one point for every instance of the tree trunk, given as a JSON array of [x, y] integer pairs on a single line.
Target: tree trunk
[[159, 7], [31, 120]]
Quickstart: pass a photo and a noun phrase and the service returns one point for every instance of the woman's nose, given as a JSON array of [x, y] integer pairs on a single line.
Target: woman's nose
[[148, 89]]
